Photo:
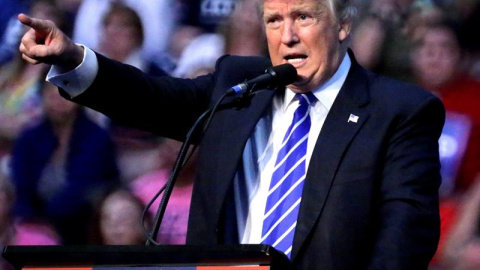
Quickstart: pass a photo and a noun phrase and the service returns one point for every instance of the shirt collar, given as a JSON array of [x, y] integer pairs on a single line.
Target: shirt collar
[[327, 92]]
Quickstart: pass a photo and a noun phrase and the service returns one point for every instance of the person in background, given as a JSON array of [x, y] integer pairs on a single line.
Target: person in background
[[59, 164], [199, 56], [243, 30], [173, 230], [118, 220], [384, 36], [121, 39], [462, 247], [20, 233], [7, 198], [158, 18], [10, 29], [437, 66], [19, 85]]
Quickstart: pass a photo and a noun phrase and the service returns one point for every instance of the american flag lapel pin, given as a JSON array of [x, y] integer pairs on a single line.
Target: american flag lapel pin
[[352, 118]]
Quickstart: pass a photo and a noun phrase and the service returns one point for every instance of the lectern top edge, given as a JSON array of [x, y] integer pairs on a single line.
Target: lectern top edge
[[137, 256]]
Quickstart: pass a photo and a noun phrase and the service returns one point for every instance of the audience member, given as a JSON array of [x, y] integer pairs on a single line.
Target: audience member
[[437, 64], [157, 17], [462, 249], [19, 82], [19, 101], [35, 232], [122, 38], [7, 198], [243, 30], [69, 9], [118, 221], [436, 61], [19, 233], [10, 29], [174, 225], [200, 55], [383, 39], [58, 165], [182, 36], [194, 48]]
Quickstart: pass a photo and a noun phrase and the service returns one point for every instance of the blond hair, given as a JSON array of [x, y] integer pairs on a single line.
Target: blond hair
[[343, 10]]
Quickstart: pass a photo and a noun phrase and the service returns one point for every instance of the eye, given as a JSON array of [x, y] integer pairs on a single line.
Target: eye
[[272, 22], [304, 19]]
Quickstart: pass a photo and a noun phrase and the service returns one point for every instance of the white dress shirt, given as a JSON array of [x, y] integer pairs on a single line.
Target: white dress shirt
[[250, 221]]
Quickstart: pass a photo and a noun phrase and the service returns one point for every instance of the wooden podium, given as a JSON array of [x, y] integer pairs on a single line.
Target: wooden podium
[[237, 257]]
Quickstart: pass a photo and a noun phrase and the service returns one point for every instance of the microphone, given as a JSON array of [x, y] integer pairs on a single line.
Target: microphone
[[280, 75]]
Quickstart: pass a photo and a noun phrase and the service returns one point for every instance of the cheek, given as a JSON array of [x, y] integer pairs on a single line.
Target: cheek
[[274, 52], [273, 38]]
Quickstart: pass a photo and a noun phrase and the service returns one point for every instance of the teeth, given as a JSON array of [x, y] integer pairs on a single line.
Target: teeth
[[295, 60]]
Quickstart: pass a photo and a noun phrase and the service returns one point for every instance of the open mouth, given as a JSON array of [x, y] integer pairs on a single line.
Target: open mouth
[[295, 58]]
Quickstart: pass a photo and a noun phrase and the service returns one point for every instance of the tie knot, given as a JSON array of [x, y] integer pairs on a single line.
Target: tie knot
[[306, 99]]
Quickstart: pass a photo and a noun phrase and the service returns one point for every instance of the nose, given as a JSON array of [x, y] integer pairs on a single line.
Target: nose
[[434, 53], [289, 33]]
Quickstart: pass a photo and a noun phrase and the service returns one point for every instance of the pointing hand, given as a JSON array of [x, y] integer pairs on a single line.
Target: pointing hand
[[44, 42]]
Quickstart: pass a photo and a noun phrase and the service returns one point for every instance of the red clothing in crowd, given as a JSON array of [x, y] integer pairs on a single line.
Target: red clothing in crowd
[[462, 95]]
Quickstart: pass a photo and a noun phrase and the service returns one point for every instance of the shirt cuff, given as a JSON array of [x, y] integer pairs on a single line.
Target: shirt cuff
[[76, 81]]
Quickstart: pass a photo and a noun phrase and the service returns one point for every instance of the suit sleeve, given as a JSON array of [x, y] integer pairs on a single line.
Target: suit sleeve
[[408, 219], [164, 105]]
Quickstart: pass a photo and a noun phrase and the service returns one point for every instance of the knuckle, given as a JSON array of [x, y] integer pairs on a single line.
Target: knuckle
[[24, 39], [50, 24]]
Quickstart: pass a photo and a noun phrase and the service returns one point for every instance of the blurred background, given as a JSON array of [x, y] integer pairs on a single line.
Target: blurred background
[[69, 175]]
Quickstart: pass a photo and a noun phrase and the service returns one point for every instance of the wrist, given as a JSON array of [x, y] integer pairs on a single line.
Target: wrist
[[74, 59]]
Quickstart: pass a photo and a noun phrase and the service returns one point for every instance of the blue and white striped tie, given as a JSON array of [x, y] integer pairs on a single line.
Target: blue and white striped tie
[[285, 192]]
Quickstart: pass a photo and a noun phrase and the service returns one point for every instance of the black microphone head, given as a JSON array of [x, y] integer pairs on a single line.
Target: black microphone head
[[273, 77], [284, 74]]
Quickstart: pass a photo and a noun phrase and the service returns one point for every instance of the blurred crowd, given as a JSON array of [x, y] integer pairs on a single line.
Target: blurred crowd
[[69, 175]]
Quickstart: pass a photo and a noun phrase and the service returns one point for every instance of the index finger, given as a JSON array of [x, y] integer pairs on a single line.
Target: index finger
[[36, 24]]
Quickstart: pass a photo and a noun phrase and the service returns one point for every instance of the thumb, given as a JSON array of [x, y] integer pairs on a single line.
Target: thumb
[[36, 24]]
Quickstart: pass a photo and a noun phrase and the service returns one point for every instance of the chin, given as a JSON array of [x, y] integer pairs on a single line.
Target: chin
[[302, 85]]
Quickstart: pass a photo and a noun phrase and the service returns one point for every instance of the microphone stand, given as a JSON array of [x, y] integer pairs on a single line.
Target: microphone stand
[[284, 74], [179, 162]]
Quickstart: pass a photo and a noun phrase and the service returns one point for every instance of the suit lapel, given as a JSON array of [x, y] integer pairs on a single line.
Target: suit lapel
[[235, 127], [347, 115]]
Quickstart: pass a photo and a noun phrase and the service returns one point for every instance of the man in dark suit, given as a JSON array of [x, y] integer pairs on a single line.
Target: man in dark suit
[[369, 191]]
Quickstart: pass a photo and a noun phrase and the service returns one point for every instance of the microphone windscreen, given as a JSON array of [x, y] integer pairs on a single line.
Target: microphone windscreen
[[284, 74]]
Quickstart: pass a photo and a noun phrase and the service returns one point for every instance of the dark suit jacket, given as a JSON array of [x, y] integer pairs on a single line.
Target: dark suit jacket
[[370, 197]]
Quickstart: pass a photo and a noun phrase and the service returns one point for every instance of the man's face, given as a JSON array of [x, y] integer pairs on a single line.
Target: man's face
[[305, 34]]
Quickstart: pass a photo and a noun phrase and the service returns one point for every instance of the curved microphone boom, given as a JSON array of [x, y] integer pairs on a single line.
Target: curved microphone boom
[[280, 75]]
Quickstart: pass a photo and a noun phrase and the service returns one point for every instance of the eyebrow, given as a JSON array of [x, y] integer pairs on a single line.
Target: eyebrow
[[316, 12]]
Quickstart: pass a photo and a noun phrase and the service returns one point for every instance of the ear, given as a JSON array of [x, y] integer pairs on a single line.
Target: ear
[[344, 30]]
